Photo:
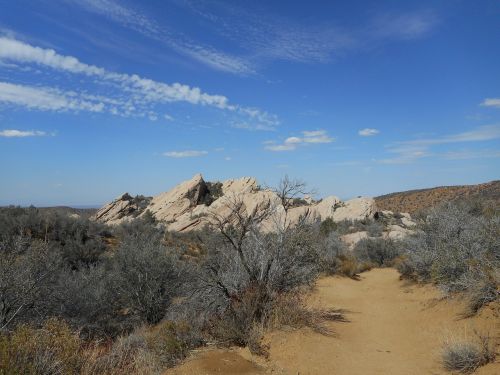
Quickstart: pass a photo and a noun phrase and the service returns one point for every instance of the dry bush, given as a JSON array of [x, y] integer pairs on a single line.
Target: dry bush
[[378, 251], [467, 356], [290, 310], [170, 341], [53, 349], [457, 248]]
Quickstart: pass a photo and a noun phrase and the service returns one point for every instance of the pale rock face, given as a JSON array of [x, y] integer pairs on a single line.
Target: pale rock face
[[183, 208], [352, 239], [355, 209], [170, 205], [408, 222], [396, 232], [240, 185], [327, 207], [117, 211]]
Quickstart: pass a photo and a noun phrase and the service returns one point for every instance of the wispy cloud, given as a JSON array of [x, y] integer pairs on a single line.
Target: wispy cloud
[[291, 143], [45, 99], [410, 151], [491, 102], [403, 26], [136, 94], [261, 37], [367, 132], [139, 22], [470, 154], [185, 154], [13, 133]]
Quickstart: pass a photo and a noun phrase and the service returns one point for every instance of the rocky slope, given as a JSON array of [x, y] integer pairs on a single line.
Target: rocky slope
[[413, 201], [192, 203]]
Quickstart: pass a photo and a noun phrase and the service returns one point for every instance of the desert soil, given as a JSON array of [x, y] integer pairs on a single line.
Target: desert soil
[[395, 328]]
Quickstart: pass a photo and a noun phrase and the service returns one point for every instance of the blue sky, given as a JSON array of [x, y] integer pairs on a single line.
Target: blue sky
[[99, 97]]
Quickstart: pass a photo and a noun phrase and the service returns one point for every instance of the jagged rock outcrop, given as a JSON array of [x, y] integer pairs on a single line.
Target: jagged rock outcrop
[[183, 198], [354, 209], [193, 203], [124, 208]]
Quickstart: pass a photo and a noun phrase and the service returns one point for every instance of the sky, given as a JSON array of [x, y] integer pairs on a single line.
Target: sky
[[101, 97]]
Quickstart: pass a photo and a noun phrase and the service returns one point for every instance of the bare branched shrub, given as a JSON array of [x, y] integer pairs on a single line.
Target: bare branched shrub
[[52, 350], [467, 356], [28, 272], [459, 251], [145, 277], [379, 251]]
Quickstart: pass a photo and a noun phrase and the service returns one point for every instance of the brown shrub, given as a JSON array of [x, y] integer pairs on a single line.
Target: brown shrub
[[53, 349]]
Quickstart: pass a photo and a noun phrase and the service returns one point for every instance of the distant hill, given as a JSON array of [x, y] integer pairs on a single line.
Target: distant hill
[[65, 210], [415, 200]]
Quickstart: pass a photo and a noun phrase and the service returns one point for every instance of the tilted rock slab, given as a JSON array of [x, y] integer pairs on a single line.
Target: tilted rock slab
[[183, 208]]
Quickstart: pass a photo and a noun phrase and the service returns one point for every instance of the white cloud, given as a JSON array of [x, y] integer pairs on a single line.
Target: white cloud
[[403, 25], [185, 154], [14, 50], [291, 143], [368, 132], [261, 37], [410, 151], [137, 21], [13, 133], [467, 154], [491, 102], [141, 92], [45, 99]]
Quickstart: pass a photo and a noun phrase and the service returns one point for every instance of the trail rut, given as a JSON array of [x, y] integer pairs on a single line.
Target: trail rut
[[394, 329]]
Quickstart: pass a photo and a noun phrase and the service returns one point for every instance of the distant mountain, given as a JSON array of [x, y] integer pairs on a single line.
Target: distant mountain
[[65, 210], [415, 200]]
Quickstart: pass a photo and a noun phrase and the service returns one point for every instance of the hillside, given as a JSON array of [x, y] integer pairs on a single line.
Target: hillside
[[413, 201]]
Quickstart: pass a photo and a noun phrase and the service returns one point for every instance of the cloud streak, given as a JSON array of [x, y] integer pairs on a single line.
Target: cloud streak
[[185, 154], [410, 151], [367, 132], [260, 37], [491, 102], [292, 143], [140, 93], [13, 133]]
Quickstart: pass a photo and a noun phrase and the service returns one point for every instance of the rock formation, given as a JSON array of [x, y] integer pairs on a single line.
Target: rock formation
[[190, 204]]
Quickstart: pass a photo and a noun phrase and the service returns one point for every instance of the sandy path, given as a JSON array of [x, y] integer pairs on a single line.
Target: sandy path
[[394, 329]]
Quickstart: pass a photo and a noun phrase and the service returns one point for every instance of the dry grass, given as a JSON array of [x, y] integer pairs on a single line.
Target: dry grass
[[466, 355]]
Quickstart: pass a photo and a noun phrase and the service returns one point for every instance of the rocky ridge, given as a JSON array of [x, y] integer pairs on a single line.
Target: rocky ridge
[[190, 204]]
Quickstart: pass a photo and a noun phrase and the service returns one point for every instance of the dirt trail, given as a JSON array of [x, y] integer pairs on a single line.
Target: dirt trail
[[394, 329]]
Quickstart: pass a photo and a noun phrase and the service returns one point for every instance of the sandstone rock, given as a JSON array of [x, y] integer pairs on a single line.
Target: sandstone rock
[[385, 214], [408, 222], [396, 232], [352, 239], [191, 205], [240, 185], [124, 208], [354, 209], [184, 197]]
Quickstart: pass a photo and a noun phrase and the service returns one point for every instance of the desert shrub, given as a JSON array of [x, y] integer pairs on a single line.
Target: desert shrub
[[378, 251], [375, 229], [327, 226], [87, 300], [467, 356], [330, 254], [28, 272], [171, 341], [144, 276], [457, 250], [290, 310], [53, 349]]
